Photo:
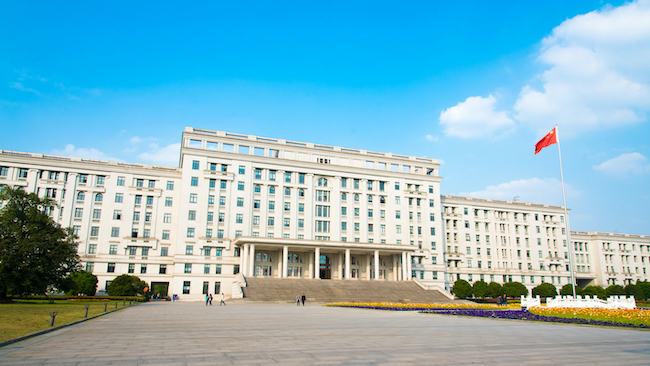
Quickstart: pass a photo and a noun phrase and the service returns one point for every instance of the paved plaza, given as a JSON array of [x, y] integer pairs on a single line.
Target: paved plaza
[[284, 334]]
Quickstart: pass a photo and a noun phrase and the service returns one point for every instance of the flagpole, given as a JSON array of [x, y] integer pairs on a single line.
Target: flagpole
[[566, 216]]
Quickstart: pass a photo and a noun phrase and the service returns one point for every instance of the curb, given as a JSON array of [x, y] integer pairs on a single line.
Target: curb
[[45, 331]]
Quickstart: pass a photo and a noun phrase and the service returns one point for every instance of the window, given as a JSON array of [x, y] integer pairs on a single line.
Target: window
[[92, 248], [271, 189], [212, 183], [186, 287], [242, 169], [139, 182], [344, 182], [301, 223], [115, 232], [240, 202], [222, 184], [97, 214], [136, 216], [163, 269], [138, 199], [356, 184], [256, 204], [271, 221], [193, 197], [287, 191], [287, 206], [240, 186], [111, 268], [217, 271], [94, 231], [301, 207], [239, 218], [168, 202], [78, 213], [170, 185], [131, 267], [90, 267], [165, 236], [120, 181], [287, 177], [82, 196], [149, 200], [287, 222], [167, 218], [194, 181], [151, 184], [190, 232], [272, 175], [206, 269], [258, 173], [83, 178], [195, 165], [191, 215]]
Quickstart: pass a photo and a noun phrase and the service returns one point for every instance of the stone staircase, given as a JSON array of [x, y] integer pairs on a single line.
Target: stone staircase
[[326, 291]]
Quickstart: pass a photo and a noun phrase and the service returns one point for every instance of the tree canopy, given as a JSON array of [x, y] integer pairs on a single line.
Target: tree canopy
[[480, 289], [594, 291], [515, 289], [494, 290], [82, 282], [615, 290], [462, 289], [125, 285], [567, 290], [35, 252], [545, 290]]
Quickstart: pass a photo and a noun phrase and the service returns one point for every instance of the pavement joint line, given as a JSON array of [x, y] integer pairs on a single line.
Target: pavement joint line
[[52, 329]]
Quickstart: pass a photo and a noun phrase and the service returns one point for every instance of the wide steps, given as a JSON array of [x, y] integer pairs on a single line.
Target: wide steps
[[325, 291]]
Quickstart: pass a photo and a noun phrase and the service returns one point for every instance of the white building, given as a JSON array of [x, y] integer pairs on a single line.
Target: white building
[[277, 208]]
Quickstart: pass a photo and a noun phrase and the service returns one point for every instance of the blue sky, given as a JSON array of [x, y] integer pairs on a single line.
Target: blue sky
[[475, 84]]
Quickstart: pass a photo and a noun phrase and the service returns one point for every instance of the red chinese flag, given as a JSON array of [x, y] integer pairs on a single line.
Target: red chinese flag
[[547, 140]]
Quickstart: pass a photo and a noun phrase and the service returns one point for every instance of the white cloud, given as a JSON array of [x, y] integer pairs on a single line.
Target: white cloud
[[167, 155], [135, 139], [598, 75], [536, 190], [71, 150], [431, 138], [475, 118], [19, 86], [625, 164]]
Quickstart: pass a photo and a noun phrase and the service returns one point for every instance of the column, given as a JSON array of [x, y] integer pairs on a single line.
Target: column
[[340, 266], [376, 265], [310, 260], [404, 267], [251, 258], [244, 259], [317, 263], [408, 266], [368, 277], [395, 277], [282, 267], [347, 264], [285, 256]]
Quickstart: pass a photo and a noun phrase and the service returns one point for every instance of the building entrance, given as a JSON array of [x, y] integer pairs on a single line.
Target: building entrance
[[325, 268]]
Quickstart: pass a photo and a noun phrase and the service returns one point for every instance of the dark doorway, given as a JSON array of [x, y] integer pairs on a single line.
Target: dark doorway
[[159, 289], [325, 268]]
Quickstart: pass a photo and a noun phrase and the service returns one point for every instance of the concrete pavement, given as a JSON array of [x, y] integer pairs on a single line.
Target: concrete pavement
[[262, 334]]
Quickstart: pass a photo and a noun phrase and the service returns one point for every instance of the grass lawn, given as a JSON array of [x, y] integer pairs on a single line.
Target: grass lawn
[[19, 319]]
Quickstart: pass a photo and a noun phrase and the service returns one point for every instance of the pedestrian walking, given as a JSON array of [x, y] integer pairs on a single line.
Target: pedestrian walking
[[210, 299], [298, 300], [207, 299], [303, 298], [223, 300]]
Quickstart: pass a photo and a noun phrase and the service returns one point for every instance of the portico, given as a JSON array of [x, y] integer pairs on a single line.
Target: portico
[[315, 259]]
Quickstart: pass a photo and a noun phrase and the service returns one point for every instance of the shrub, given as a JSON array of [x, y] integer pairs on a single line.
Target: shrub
[[615, 290], [645, 286], [480, 289], [515, 289], [594, 291], [462, 289], [494, 290], [567, 290], [81, 283], [545, 290], [126, 285]]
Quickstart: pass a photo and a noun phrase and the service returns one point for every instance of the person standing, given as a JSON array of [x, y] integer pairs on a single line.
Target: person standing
[[207, 299], [303, 298], [223, 300], [298, 300], [210, 299]]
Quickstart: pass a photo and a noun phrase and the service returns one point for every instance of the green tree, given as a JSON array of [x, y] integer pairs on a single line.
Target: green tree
[[567, 290], [480, 289], [515, 289], [645, 286], [81, 282], [462, 289], [634, 290], [594, 291], [35, 252], [545, 290], [615, 290], [494, 290], [126, 285]]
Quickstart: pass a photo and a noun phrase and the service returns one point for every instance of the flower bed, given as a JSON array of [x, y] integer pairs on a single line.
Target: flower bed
[[633, 316], [549, 317], [409, 306]]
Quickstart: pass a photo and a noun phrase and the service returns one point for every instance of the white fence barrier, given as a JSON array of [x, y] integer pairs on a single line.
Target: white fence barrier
[[612, 302]]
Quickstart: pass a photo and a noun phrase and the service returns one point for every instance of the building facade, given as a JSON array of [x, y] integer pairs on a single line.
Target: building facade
[[253, 206]]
